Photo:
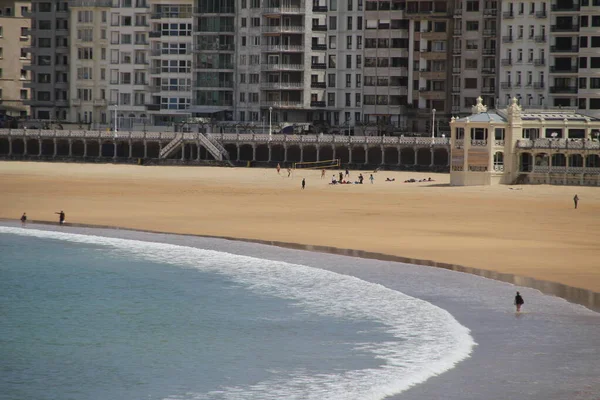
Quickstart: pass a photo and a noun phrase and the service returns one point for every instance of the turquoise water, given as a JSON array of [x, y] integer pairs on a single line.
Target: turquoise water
[[86, 317]]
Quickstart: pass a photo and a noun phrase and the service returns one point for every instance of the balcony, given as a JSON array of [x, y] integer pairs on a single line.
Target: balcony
[[318, 104], [539, 62], [214, 46], [283, 29], [319, 28], [488, 90], [505, 85], [506, 62], [432, 35], [572, 49], [540, 39], [426, 13], [283, 48], [563, 89], [433, 55], [488, 70], [430, 74], [456, 70], [153, 107], [456, 50], [319, 9], [489, 52], [153, 88], [319, 47], [539, 85], [458, 12], [565, 8], [282, 85], [564, 28], [99, 102], [282, 10], [457, 32], [562, 70], [455, 89], [489, 32], [282, 67], [490, 12], [318, 66], [541, 14], [318, 85], [507, 39], [282, 104], [155, 34], [508, 15]]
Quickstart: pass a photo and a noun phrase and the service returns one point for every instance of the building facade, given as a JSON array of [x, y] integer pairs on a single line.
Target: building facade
[[513, 146], [14, 58]]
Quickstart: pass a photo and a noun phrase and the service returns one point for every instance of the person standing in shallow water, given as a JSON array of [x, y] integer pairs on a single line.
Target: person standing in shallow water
[[61, 217], [24, 218], [519, 301], [576, 200]]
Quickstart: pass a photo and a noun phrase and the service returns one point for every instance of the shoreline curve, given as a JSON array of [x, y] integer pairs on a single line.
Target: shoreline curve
[[584, 297]]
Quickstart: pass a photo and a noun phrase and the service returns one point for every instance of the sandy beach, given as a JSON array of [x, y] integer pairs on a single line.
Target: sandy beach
[[530, 231]]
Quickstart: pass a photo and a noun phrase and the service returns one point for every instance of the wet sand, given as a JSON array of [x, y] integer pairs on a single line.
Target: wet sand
[[530, 231]]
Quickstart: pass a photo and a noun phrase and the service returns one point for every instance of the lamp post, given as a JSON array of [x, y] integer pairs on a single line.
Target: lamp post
[[263, 124], [116, 124], [432, 126], [270, 114]]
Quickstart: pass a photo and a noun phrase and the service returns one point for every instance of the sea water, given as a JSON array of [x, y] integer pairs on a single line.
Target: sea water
[[91, 317]]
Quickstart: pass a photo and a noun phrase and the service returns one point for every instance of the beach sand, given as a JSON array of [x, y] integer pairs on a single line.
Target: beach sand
[[530, 231]]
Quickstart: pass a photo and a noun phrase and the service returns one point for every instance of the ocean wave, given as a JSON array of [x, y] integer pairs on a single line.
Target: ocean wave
[[429, 341]]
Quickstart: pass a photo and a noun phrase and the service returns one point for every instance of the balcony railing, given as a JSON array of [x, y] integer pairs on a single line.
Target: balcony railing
[[282, 85], [489, 52], [505, 85], [318, 66], [541, 14], [564, 28], [489, 32], [490, 12], [565, 8], [283, 48], [283, 29], [568, 70], [564, 89], [319, 47], [282, 104], [539, 62], [318, 104], [155, 34], [319, 9], [539, 85], [506, 61], [318, 85], [488, 70], [507, 39], [540, 39], [319, 28], [282, 67], [488, 90], [508, 15], [214, 46], [283, 10], [572, 49]]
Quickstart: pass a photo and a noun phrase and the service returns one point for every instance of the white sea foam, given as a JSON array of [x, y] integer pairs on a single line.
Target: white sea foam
[[430, 341]]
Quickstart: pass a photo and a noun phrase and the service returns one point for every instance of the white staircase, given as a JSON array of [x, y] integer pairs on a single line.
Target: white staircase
[[172, 146], [214, 147]]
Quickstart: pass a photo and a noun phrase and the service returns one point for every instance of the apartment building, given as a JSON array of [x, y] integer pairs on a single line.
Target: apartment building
[[527, 59], [474, 54], [49, 53], [14, 58]]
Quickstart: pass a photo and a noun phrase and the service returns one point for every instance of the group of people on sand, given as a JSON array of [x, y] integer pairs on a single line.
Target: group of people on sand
[[345, 180], [412, 180], [61, 217]]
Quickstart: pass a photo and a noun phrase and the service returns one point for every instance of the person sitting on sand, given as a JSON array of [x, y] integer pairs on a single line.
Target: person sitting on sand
[[333, 181], [390, 180], [360, 179]]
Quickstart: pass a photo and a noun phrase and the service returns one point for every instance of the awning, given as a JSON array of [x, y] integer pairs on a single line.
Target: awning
[[206, 110]]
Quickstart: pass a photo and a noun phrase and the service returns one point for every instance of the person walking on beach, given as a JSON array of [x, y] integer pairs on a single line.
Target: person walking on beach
[[278, 168], [303, 183], [24, 218], [519, 302], [341, 176], [289, 172], [61, 217], [576, 200], [371, 178], [322, 173], [347, 173]]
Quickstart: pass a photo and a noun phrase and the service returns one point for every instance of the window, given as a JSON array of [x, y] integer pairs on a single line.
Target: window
[[331, 80], [350, 5], [86, 17], [472, 25], [470, 83], [84, 53], [583, 83], [348, 80], [332, 23], [243, 22], [471, 63], [472, 5], [349, 24], [582, 62], [349, 42], [531, 31], [594, 83], [348, 102], [595, 20], [595, 42], [349, 61], [520, 34], [594, 62], [359, 23], [472, 44], [84, 73], [331, 99], [332, 42], [44, 25], [23, 32]]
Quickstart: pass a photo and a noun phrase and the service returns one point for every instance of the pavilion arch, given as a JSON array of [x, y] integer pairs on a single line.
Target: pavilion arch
[[4, 146], [137, 149], [206, 155], [77, 148], [358, 155], [122, 149], [93, 148], [407, 156], [262, 152], [326, 153], [18, 147], [559, 160], [231, 150], [277, 152], [525, 162], [575, 160], [153, 149], [189, 151], [343, 154], [542, 160], [592, 161], [293, 153], [391, 155], [423, 156], [62, 147], [246, 152], [309, 153], [33, 147], [440, 157], [374, 155], [47, 147]]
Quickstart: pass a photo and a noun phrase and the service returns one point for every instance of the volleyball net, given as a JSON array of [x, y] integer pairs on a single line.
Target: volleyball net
[[318, 164]]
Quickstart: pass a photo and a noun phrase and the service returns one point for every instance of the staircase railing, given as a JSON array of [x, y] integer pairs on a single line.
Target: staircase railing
[[171, 147], [214, 147]]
